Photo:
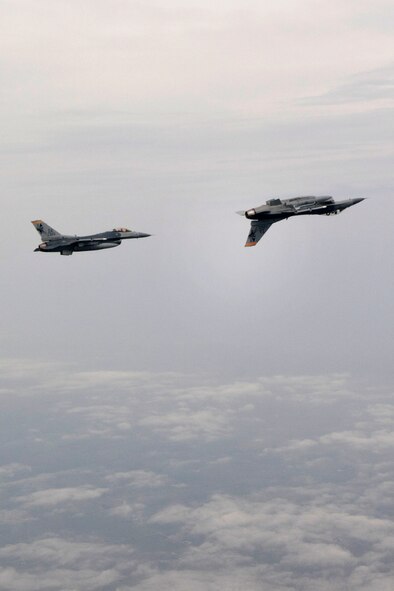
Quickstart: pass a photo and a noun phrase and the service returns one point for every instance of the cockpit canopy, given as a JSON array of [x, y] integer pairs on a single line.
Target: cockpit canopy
[[121, 230], [274, 202]]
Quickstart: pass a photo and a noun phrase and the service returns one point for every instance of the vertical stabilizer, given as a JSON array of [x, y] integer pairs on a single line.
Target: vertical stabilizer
[[45, 231]]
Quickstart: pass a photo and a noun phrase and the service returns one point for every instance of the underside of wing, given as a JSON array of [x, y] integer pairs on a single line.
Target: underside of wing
[[257, 231]]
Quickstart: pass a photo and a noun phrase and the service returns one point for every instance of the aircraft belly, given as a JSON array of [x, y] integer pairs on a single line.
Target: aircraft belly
[[96, 246], [274, 217]]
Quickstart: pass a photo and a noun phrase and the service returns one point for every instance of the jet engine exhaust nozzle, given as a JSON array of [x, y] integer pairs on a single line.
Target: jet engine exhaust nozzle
[[250, 213]]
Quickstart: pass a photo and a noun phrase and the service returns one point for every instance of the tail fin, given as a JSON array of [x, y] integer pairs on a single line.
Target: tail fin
[[257, 230], [45, 231]]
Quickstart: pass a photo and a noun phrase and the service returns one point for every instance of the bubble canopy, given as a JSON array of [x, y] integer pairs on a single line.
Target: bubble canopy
[[121, 230]]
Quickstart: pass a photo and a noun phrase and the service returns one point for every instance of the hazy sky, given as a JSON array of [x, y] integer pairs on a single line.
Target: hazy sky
[[162, 401]]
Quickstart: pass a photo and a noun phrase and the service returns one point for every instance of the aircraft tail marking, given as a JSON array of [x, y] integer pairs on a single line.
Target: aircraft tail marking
[[257, 230], [45, 231]]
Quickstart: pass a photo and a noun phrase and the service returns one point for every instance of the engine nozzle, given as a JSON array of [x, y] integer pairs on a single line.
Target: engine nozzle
[[250, 214]]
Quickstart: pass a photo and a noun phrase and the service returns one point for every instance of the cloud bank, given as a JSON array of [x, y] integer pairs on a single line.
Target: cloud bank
[[142, 480]]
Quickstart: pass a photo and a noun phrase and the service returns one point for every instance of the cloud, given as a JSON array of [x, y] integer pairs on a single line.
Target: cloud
[[60, 563], [181, 579], [312, 537], [15, 580], [14, 516], [126, 510], [183, 425], [359, 439], [282, 483], [60, 496], [138, 478], [56, 551], [376, 86], [8, 471], [134, 37]]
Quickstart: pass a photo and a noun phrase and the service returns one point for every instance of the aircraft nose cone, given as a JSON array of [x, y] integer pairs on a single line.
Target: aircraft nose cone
[[358, 200], [140, 235]]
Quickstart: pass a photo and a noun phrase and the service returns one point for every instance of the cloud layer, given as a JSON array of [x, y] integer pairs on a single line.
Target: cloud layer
[[140, 480]]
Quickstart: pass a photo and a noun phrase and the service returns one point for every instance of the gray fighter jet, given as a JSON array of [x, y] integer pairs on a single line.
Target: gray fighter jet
[[53, 241], [276, 210]]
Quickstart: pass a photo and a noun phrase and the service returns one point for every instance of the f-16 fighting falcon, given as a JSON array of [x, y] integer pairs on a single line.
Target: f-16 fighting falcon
[[276, 210], [53, 241]]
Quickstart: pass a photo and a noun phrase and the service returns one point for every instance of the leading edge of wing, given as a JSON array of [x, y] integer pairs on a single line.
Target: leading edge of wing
[[257, 231]]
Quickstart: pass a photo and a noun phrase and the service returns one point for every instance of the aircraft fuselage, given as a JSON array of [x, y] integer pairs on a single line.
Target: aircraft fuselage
[[64, 244], [276, 210]]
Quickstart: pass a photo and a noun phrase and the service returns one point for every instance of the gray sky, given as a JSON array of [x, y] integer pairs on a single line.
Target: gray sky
[[168, 118]]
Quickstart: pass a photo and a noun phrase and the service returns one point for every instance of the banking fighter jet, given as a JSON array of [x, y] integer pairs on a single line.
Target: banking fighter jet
[[276, 210], [53, 241]]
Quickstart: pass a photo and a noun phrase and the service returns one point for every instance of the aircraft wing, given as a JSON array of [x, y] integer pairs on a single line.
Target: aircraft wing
[[257, 230]]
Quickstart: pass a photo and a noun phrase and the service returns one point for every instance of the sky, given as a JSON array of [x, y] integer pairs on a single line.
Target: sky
[[181, 412]]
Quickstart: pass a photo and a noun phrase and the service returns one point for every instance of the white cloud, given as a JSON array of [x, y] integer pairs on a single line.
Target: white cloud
[[14, 516], [374, 88], [182, 579], [313, 537], [374, 440], [277, 47], [59, 563], [126, 510], [56, 551], [281, 483], [59, 496], [185, 425], [138, 478], [10, 470]]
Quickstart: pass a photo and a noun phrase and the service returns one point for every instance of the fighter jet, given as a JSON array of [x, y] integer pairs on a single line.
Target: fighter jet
[[276, 210], [53, 241]]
